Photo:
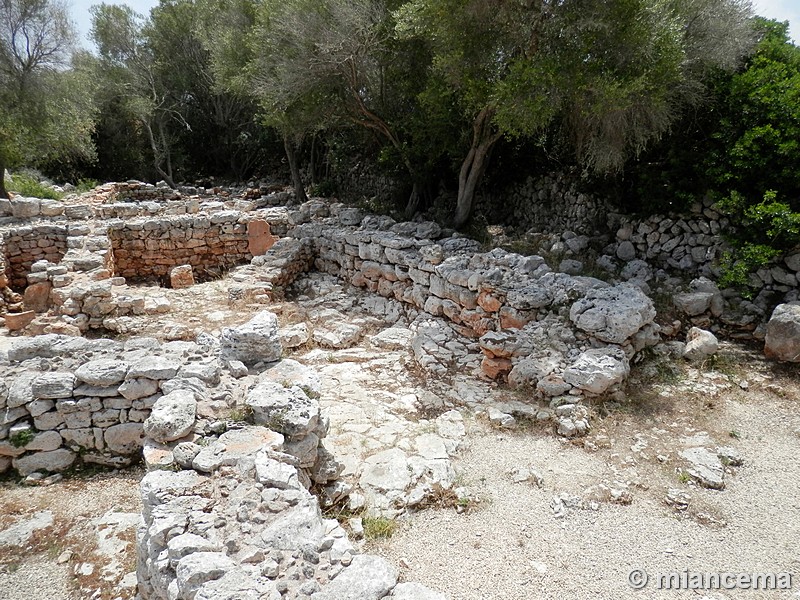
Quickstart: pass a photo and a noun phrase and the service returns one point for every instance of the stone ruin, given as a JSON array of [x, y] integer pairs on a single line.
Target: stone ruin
[[232, 509]]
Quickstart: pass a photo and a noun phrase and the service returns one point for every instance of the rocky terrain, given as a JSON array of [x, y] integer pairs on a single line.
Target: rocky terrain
[[521, 429]]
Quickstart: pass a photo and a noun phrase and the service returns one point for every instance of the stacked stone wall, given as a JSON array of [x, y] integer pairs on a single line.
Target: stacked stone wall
[[554, 202], [26, 245], [152, 247]]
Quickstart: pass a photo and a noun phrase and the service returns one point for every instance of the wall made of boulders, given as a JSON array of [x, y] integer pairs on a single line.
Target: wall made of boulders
[[554, 202], [26, 245], [693, 245], [210, 243]]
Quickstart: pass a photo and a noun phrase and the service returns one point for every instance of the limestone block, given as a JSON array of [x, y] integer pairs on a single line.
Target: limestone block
[[181, 277], [172, 416]]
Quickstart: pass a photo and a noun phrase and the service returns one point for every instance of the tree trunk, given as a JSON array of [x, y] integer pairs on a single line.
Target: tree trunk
[[474, 165], [157, 155], [3, 191], [412, 206], [291, 146]]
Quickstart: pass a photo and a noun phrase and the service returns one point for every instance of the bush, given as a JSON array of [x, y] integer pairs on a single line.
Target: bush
[[764, 231], [27, 186], [86, 185]]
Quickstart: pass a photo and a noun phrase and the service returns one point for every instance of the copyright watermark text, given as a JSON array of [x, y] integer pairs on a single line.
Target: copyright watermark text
[[691, 580]]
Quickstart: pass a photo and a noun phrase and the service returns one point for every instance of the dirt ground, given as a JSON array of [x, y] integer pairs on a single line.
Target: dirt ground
[[565, 536]]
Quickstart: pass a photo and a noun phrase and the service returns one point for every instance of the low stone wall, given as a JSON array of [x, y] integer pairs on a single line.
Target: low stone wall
[[249, 529], [692, 245], [24, 246], [57, 403], [152, 247], [552, 203]]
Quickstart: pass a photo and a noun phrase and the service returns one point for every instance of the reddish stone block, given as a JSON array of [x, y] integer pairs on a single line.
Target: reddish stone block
[[259, 237], [496, 368]]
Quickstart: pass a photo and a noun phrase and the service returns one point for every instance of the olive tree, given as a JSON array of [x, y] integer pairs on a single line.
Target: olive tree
[[611, 75], [45, 110]]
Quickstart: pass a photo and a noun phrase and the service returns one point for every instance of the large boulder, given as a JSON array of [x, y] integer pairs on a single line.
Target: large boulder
[[782, 341], [172, 417], [253, 342], [597, 370], [613, 314]]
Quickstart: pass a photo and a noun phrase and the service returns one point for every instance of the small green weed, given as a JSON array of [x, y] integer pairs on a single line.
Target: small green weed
[[378, 528], [21, 439]]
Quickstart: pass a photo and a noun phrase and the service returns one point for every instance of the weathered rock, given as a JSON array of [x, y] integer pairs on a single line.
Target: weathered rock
[[18, 321], [693, 304], [53, 385], [705, 467], [194, 570], [20, 392], [782, 341], [337, 335], [185, 452], [700, 344], [57, 460], [393, 338], [273, 473], [386, 471], [125, 438], [102, 372], [597, 370], [138, 387], [20, 533], [366, 578], [233, 445], [181, 277], [37, 296], [298, 526], [155, 367], [289, 372], [293, 336], [613, 314], [255, 341], [286, 410], [172, 416]]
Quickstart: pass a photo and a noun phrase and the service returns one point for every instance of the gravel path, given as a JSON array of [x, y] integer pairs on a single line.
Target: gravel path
[[37, 579], [513, 547], [32, 572]]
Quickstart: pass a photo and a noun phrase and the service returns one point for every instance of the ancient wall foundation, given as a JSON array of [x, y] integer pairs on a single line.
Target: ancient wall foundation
[[211, 244], [23, 246]]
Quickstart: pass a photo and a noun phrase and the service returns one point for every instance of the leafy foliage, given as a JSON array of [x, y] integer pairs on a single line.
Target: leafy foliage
[[765, 230], [46, 114], [29, 187]]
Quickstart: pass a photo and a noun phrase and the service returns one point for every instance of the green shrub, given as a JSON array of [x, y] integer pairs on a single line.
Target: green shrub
[[86, 185], [21, 439], [764, 231], [27, 186]]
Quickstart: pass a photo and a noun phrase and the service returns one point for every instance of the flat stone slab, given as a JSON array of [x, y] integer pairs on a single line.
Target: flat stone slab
[[19, 533], [235, 444], [705, 467]]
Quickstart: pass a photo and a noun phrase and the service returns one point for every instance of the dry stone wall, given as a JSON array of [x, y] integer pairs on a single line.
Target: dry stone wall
[[152, 247], [554, 202], [23, 246]]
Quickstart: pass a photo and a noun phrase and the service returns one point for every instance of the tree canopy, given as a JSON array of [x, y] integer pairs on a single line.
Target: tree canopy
[[46, 111], [424, 90]]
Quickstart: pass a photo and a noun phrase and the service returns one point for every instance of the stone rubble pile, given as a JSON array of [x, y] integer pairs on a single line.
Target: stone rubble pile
[[248, 528]]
